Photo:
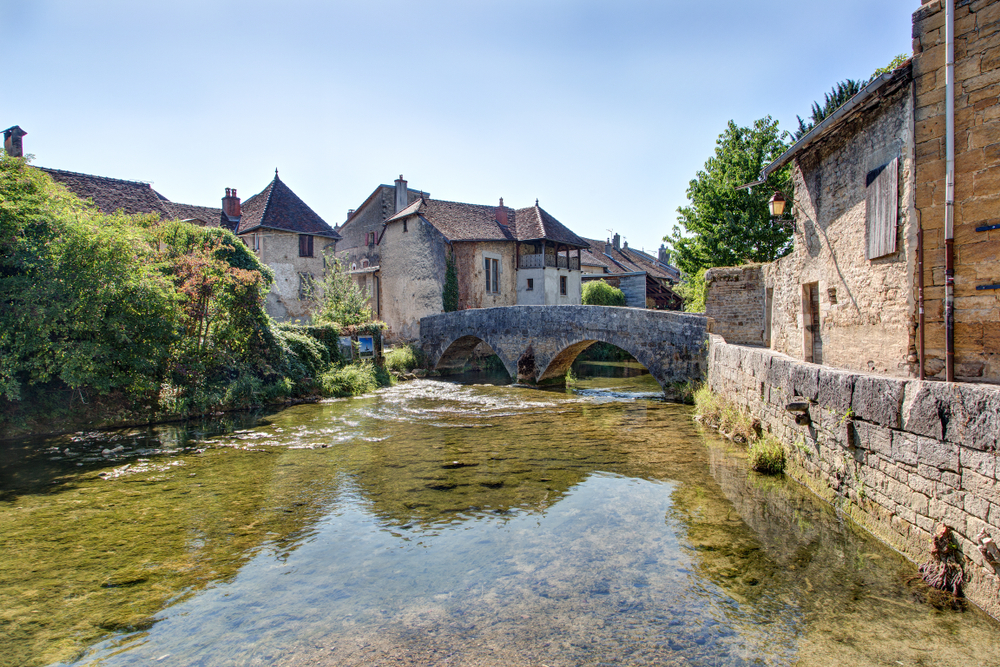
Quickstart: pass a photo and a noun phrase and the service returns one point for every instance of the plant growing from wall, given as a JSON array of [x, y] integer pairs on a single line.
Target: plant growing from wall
[[449, 298]]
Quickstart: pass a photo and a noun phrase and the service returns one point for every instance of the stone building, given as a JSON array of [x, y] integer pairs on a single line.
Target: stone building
[[284, 233], [869, 212], [287, 236], [647, 281], [502, 256]]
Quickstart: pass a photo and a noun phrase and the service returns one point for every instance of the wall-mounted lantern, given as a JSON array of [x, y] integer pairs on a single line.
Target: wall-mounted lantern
[[776, 205]]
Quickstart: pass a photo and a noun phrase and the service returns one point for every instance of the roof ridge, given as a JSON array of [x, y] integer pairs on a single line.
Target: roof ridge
[[106, 178]]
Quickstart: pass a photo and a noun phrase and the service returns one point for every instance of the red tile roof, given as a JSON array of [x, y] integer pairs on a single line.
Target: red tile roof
[[277, 207]]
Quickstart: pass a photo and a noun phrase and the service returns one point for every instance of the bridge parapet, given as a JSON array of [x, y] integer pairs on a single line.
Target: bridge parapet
[[538, 343]]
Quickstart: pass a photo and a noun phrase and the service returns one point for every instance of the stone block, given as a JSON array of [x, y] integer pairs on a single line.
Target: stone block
[[805, 380], [979, 462], [975, 416], [878, 399], [937, 454], [836, 389], [905, 448], [874, 439], [926, 408], [779, 376]]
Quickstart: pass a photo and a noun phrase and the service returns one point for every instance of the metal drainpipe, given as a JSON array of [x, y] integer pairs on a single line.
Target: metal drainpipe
[[949, 201]]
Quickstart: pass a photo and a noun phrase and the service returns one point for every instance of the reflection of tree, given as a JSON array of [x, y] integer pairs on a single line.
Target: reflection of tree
[[96, 556]]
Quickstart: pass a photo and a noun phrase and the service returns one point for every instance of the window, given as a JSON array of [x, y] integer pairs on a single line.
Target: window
[[531, 284], [256, 242], [404, 224], [562, 285], [305, 245], [364, 264], [492, 275], [881, 208]]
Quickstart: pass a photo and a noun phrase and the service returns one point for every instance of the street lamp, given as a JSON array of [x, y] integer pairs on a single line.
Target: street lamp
[[776, 205]]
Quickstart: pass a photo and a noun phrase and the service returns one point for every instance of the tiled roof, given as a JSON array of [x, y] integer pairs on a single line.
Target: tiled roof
[[477, 222], [111, 194], [206, 214], [535, 223], [277, 207], [466, 222], [626, 260]]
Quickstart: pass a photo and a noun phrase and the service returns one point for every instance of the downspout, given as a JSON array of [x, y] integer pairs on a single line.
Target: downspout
[[949, 199]]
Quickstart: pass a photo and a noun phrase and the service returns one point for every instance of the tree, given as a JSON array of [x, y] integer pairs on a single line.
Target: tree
[[599, 293], [342, 301], [833, 100], [723, 226]]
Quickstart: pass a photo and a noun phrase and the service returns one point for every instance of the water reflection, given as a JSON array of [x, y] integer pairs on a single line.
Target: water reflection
[[440, 523]]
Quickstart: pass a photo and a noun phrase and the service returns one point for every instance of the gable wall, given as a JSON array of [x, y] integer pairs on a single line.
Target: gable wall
[[280, 252], [412, 277]]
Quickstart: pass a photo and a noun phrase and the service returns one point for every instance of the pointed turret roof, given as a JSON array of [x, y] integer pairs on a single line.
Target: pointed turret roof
[[277, 207]]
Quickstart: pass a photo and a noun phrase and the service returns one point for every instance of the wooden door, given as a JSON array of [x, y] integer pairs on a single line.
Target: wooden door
[[813, 335]]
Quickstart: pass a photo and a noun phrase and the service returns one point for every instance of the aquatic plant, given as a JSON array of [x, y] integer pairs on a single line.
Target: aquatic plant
[[766, 455], [354, 380]]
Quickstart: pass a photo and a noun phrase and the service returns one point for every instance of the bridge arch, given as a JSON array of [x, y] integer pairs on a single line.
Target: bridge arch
[[458, 352], [560, 362], [538, 343]]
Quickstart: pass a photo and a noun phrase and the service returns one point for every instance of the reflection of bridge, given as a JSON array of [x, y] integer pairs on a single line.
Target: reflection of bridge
[[538, 343]]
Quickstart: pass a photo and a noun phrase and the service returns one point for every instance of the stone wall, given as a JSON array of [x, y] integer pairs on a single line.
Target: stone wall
[[280, 251], [977, 182], [734, 298], [412, 276], [865, 306], [471, 271], [899, 456], [634, 289]]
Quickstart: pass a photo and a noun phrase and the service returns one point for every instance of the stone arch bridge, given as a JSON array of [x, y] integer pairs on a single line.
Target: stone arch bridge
[[538, 343]]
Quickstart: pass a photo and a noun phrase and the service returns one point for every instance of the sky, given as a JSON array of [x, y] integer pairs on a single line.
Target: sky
[[603, 111]]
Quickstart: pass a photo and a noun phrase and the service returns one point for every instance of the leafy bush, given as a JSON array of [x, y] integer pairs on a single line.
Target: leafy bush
[[692, 290], [404, 358], [599, 293], [354, 380]]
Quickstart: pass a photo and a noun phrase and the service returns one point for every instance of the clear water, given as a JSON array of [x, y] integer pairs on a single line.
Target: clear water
[[438, 523]]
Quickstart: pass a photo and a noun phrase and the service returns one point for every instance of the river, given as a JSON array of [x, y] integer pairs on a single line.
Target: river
[[447, 523]]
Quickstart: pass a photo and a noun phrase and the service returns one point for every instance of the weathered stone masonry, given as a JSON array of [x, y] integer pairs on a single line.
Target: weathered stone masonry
[[899, 456]]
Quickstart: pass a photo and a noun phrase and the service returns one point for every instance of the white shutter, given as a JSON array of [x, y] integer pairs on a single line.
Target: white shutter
[[881, 210]]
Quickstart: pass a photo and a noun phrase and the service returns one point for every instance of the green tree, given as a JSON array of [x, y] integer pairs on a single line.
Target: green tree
[[832, 101], [723, 226], [599, 293], [893, 64], [341, 300], [692, 290]]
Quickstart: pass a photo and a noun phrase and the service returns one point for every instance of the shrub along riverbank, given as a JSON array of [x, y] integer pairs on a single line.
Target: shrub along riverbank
[[116, 319]]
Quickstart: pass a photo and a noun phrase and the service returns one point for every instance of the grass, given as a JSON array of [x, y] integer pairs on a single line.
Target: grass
[[765, 453], [354, 380], [404, 358]]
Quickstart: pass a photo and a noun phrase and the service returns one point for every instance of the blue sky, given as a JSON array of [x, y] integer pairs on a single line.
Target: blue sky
[[602, 110]]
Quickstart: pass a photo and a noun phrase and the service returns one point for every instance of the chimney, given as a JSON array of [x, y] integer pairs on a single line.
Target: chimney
[[402, 200], [607, 247], [231, 203], [626, 245], [502, 214], [664, 255], [618, 241], [12, 141], [350, 212]]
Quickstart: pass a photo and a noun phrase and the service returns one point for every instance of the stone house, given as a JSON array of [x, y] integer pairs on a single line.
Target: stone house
[[502, 256], [646, 281], [284, 233], [287, 236], [864, 287]]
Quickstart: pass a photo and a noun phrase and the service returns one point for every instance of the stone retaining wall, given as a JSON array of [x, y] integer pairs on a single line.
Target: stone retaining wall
[[899, 456]]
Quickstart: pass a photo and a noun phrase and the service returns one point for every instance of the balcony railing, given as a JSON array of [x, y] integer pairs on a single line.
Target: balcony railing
[[539, 261]]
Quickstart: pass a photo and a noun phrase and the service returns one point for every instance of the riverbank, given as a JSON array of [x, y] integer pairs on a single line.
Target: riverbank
[[901, 457]]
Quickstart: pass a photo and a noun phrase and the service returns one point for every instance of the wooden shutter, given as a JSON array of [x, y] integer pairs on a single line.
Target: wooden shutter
[[881, 210]]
